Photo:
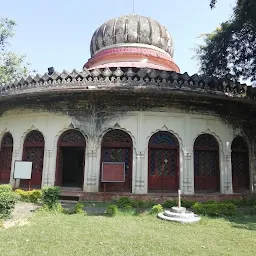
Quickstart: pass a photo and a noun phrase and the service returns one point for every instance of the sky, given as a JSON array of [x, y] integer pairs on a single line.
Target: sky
[[54, 33]]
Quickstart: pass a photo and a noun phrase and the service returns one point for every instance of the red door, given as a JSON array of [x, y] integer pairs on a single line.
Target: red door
[[6, 158], [117, 147], [240, 164], [33, 151], [163, 163], [206, 164]]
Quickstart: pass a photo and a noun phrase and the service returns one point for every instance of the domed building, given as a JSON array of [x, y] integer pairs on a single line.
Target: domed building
[[130, 104]]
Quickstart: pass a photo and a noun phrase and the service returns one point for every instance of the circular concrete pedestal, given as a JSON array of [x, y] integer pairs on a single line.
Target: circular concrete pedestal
[[179, 214]]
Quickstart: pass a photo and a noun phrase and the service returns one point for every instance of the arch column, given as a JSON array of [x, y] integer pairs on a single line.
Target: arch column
[[90, 183], [48, 176], [16, 156], [140, 177], [188, 174], [226, 177], [253, 173]]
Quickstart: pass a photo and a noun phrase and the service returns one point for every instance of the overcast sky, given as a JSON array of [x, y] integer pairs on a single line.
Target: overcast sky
[[58, 33]]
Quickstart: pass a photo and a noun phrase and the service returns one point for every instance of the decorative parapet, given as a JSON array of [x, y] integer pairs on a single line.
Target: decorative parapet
[[127, 78]]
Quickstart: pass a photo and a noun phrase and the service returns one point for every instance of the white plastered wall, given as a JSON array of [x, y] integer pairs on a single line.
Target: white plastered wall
[[140, 126]]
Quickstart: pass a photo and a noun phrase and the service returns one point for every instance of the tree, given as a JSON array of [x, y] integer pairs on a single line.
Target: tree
[[12, 66], [231, 48], [213, 3]]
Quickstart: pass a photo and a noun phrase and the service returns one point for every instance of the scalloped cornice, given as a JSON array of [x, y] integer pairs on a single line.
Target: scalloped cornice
[[128, 78]]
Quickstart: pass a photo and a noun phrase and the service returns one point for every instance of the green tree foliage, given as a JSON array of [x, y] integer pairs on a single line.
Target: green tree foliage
[[213, 3], [12, 66], [231, 48]]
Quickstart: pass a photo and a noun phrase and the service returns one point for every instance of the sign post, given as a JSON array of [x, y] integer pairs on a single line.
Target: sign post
[[22, 170], [112, 172]]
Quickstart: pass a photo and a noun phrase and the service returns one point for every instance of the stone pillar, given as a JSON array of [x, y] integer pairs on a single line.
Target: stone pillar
[[188, 174], [48, 176], [253, 173], [16, 156], [139, 175], [227, 175], [90, 171]]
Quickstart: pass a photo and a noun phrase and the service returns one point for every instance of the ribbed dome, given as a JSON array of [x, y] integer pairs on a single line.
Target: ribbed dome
[[131, 29]]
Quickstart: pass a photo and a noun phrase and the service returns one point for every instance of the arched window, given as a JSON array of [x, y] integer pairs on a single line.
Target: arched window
[[6, 150], [240, 164], [117, 147], [163, 162], [70, 159], [206, 164], [33, 151]]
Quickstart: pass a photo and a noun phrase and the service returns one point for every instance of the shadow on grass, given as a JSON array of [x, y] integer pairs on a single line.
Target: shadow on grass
[[243, 222]]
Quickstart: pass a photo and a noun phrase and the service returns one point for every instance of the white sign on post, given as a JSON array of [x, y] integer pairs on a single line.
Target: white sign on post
[[22, 170]]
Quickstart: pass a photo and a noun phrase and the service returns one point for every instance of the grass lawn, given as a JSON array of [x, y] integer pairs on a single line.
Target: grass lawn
[[50, 234]]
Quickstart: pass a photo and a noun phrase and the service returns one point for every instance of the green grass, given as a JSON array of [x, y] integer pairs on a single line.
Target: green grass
[[72, 235]]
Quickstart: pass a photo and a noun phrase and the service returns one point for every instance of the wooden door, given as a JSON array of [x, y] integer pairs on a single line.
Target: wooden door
[[33, 151], [240, 164], [6, 151], [206, 164], [163, 163], [117, 147]]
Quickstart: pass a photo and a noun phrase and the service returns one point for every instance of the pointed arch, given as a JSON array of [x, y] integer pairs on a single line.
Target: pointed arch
[[240, 164], [206, 163], [163, 162], [117, 146], [6, 151], [33, 150], [70, 159]]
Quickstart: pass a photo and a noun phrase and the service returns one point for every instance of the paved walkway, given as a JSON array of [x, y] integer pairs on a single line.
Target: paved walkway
[[19, 216]]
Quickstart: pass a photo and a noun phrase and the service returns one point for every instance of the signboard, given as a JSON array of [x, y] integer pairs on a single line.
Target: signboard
[[22, 170], [113, 172]]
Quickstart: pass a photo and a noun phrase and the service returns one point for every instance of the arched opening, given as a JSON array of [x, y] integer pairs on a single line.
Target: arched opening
[[206, 164], [117, 147], [33, 151], [70, 159], [6, 150], [240, 164], [163, 162]]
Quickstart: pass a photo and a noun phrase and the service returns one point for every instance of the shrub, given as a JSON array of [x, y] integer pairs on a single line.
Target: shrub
[[157, 209], [79, 208], [136, 203], [111, 210], [7, 203], [5, 188], [124, 201], [251, 201], [187, 203], [215, 209], [170, 203], [50, 198], [32, 196]]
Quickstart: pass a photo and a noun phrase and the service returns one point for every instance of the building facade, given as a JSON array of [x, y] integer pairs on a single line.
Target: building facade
[[130, 104]]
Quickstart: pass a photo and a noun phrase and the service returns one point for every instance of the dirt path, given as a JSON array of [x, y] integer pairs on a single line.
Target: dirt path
[[19, 216]]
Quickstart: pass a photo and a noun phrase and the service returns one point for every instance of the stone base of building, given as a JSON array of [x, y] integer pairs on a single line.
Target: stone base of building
[[157, 197]]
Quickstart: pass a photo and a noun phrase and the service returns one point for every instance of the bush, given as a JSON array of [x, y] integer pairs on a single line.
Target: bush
[[170, 203], [187, 203], [111, 210], [32, 196], [7, 203], [5, 188], [157, 209], [215, 209], [136, 203], [50, 198], [79, 208], [124, 201]]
